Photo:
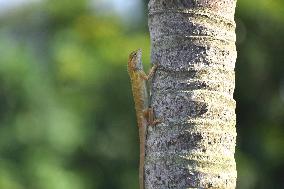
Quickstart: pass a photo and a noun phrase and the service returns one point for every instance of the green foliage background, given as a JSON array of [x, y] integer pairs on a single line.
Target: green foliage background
[[66, 112]]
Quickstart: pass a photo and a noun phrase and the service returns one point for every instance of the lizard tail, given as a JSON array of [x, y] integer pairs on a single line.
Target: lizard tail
[[141, 170], [142, 157]]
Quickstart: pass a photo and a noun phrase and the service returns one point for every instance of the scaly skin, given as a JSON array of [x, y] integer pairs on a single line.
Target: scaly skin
[[143, 113]]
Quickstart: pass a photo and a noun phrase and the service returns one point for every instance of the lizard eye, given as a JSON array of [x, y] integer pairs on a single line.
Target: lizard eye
[[134, 56]]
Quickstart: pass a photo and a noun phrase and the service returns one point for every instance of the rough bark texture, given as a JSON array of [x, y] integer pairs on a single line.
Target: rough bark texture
[[193, 43]]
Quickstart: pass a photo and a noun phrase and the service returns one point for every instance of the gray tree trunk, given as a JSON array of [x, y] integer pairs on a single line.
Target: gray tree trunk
[[193, 43]]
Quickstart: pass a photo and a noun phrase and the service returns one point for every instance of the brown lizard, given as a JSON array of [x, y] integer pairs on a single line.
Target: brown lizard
[[144, 113]]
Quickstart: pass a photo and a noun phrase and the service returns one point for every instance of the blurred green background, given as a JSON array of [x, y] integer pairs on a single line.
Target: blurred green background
[[66, 112]]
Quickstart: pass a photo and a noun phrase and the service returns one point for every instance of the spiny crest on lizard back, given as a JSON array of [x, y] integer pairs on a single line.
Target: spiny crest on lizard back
[[135, 61]]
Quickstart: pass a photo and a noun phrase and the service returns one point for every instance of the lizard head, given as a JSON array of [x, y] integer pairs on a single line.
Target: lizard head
[[134, 60]]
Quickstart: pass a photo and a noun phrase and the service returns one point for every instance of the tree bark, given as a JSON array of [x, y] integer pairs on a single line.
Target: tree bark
[[193, 44]]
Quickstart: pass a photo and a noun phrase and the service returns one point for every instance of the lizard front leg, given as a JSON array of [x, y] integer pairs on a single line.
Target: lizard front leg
[[150, 74]]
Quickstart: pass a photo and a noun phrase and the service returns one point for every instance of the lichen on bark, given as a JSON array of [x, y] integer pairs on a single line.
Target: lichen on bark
[[193, 44]]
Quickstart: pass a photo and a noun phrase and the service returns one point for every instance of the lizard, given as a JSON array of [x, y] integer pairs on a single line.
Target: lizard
[[144, 113]]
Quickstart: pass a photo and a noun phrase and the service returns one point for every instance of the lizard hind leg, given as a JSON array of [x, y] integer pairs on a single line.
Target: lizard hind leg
[[149, 116]]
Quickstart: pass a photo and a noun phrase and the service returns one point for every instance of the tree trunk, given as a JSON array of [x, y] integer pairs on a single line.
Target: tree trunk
[[193, 44]]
